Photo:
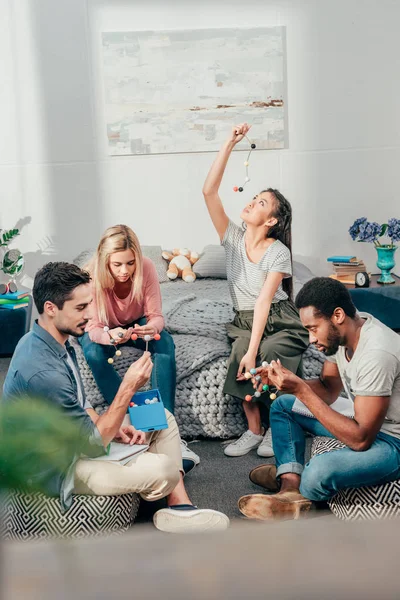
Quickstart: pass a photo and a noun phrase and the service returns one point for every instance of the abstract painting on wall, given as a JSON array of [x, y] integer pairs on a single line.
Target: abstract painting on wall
[[181, 91]]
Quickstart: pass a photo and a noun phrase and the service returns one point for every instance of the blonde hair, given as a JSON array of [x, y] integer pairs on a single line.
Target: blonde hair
[[114, 239]]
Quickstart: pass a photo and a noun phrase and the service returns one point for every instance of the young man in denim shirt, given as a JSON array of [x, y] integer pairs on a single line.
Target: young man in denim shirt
[[44, 366]]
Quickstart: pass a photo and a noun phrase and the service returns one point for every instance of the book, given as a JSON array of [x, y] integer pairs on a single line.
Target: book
[[13, 305], [348, 273], [349, 279], [16, 295], [342, 259], [344, 406], [352, 265], [348, 266], [4, 300], [349, 270], [121, 453]]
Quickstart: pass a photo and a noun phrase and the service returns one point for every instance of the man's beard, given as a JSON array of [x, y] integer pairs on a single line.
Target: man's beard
[[334, 341], [74, 333]]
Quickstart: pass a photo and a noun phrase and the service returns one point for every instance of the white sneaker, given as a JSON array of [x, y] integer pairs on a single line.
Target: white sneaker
[[188, 454], [247, 441], [265, 449], [190, 519]]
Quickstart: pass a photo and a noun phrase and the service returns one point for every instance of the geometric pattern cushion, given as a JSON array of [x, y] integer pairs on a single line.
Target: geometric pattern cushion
[[364, 503], [35, 516]]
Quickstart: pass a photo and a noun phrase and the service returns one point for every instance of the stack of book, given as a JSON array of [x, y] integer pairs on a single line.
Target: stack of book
[[13, 300], [346, 267]]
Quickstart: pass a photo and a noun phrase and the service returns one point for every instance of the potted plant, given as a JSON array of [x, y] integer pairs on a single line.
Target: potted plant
[[363, 230]]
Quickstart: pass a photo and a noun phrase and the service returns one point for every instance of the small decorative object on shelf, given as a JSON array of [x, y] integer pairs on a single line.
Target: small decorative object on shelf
[[361, 280], [12, 261], [363, 230]]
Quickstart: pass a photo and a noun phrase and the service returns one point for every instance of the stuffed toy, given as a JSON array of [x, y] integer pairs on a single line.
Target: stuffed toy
[[180, 264]]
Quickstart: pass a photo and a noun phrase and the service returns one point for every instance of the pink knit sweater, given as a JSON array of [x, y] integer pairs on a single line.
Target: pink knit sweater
[[126, 311]]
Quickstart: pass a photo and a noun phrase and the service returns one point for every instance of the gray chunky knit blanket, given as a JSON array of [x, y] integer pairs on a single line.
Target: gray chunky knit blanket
[[196, 315]]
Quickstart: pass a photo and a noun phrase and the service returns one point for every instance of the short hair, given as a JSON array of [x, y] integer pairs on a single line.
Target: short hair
[[325, 294], [55, 282]]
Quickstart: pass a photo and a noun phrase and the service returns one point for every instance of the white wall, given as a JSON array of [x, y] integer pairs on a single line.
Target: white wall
[[343, 160]]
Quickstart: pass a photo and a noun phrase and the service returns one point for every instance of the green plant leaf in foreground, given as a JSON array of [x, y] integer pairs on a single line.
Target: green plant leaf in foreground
[[35, 437]]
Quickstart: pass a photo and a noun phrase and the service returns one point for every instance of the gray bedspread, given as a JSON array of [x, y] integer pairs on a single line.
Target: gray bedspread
[[196, 315]]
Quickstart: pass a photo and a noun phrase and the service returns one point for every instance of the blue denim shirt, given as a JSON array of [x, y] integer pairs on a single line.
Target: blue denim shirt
[[39, 369]]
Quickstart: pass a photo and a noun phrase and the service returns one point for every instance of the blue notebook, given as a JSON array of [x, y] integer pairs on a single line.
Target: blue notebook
[[13, 305], [15, 295], [342, 259]]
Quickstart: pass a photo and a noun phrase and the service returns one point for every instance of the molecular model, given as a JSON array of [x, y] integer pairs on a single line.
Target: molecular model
[[246, 164], [147, 401], [265, 387], [147, 338]]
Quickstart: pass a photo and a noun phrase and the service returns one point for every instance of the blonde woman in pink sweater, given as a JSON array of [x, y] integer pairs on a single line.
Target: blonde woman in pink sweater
[[127, 299]]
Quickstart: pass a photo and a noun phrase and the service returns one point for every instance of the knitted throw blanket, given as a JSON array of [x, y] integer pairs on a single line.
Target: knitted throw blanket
[[196, 315]]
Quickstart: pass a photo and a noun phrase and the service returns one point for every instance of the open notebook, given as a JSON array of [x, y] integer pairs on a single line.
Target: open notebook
[[121, 453], [344, 406]]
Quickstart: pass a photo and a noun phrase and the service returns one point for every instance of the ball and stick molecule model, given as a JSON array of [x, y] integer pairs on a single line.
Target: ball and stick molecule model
[[246, 164], [265, 387], [147, 338], [147, 401], [113, 342]]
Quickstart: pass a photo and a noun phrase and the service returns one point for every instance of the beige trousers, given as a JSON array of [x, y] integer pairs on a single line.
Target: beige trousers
[[152, 474]]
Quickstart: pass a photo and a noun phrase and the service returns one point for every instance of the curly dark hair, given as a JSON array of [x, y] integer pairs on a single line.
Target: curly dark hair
[[325, 294]]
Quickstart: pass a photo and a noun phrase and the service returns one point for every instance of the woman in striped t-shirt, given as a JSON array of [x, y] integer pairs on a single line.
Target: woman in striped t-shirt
[[259, 271]]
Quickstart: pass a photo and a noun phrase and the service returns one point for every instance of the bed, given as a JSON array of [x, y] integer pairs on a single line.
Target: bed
[[195, 315]]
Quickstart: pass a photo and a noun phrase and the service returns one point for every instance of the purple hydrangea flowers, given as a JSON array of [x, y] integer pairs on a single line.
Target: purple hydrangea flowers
[[393, 230], [363, 230], [355, 228]]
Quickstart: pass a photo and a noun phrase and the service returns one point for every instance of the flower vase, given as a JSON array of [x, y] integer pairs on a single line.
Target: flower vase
[[386, 263]]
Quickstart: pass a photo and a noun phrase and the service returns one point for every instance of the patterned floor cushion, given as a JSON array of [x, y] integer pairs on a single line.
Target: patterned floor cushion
[[364, 503], [35, 516]]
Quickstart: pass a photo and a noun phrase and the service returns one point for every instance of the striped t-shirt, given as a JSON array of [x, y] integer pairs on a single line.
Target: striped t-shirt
[[245, 278]]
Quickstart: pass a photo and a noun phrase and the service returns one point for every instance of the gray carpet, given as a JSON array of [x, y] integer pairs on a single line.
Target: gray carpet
[[218, 481]]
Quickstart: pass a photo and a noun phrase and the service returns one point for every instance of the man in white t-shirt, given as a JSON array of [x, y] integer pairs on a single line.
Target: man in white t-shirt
[[364, 361]]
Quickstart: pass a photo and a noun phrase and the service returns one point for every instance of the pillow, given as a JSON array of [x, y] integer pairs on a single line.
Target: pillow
[[211, 262], [152, 252], [301, 272], [161, 265]]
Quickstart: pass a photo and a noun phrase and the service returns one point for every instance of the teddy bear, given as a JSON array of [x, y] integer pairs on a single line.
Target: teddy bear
[[180, 264]]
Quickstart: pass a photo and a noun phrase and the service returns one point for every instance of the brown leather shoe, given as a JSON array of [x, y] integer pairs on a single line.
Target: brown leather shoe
[[281, 506], [265, 476]]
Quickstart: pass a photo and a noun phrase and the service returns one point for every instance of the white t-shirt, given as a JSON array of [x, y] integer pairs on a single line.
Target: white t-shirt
[[245, 278], [374, 369]]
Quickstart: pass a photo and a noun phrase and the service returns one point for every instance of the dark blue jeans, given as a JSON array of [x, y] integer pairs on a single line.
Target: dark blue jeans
[[163, 375], [326, 474]]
